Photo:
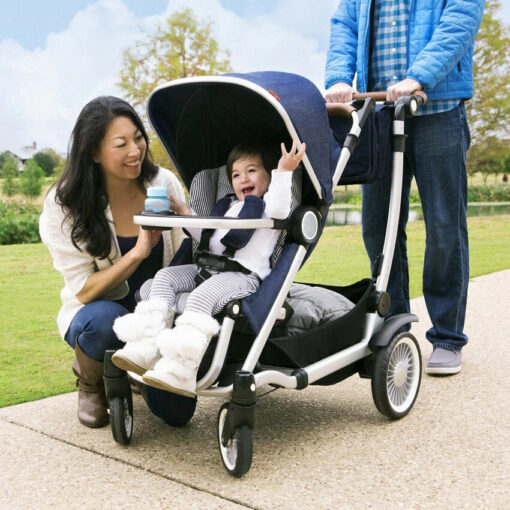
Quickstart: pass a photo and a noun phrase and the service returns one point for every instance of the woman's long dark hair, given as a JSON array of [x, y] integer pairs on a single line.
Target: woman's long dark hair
[[81, 190]]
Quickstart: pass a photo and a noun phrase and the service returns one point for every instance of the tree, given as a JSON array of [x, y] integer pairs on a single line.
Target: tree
[[3, 157], [489, 110], [9, 172], [488, 157], [181, 47], [8, 166], [59, 168], [47, 161], [32, 179]]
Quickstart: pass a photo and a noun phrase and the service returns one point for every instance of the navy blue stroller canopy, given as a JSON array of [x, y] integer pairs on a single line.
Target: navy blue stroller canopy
[[200, 119]]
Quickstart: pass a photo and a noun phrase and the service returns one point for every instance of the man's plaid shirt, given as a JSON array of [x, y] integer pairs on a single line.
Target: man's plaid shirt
[[389, 52]]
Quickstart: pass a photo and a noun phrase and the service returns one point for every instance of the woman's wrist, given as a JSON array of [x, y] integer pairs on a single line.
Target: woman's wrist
[[135, 255]]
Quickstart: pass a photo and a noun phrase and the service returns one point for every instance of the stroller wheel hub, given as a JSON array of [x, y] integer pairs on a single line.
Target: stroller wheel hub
[[401, 373]]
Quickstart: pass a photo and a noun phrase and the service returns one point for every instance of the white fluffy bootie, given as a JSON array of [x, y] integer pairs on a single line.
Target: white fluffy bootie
[[138, 330], [182, 350]]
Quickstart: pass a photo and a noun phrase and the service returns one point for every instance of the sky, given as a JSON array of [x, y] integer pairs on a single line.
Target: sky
[[56, 55]]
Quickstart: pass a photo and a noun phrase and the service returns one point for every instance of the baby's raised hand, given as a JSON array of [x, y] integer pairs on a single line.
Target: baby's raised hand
[[290, 160]]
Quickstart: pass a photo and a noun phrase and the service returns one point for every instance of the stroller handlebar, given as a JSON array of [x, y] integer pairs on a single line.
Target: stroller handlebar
[[346, 109], [381, 96]]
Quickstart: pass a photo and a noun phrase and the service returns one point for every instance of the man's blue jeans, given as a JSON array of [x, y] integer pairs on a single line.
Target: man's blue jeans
[[91, 327], [436, 149]]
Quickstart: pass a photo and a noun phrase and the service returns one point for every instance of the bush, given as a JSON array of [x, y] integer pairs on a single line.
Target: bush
[[347, 196], [47, 160], [482, 193], [32, 179], [19, 223], [489, 193], [10, 186]]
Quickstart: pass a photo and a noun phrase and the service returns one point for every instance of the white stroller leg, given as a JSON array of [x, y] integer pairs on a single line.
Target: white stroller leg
[[138, 330], [182, 349]]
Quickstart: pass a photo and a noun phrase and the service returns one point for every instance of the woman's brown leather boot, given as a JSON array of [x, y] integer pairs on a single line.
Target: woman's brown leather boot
[[92, 406]]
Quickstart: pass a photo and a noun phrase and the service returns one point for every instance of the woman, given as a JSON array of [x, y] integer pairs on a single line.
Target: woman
[[87, 225]]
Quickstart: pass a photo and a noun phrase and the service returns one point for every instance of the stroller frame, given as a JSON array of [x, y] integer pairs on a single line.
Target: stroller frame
[[236, 418]]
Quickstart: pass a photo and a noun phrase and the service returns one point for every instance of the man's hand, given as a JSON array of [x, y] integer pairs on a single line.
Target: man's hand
[[339, 93], [402, 88]]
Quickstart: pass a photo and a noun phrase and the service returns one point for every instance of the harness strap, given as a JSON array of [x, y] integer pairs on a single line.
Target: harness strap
[[234, 239], [219, 209], [208, 262]]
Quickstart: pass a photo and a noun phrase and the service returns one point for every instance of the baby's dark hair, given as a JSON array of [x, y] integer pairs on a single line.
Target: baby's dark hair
[[269, 154]]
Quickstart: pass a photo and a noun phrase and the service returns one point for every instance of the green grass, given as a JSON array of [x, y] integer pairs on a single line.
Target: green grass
[[36, 363], [340, 257]]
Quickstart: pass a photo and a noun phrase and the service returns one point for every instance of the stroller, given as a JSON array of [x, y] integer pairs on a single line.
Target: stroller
[[199, 120]]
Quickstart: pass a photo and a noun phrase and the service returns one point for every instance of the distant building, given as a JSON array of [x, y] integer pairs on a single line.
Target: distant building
[[22, 155]]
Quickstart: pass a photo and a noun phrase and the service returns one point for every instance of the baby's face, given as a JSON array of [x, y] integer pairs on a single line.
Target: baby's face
[[249, 177]]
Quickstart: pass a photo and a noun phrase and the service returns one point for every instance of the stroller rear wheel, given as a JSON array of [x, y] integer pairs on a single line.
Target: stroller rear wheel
[[121, 418], [237, 454], [397, 376]]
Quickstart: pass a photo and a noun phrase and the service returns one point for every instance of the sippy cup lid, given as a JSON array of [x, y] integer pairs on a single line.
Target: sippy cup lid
[[157, 191]]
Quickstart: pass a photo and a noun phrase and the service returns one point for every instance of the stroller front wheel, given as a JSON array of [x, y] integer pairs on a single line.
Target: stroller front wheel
[[121, 418], [237, 454], [397, 375]]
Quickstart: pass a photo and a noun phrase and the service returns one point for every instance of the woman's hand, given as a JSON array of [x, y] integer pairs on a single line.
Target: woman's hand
[[147, 239], [290, 160]]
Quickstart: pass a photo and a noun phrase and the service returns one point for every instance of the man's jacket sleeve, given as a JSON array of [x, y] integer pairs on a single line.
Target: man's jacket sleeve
[[343, 44], [456, 31]]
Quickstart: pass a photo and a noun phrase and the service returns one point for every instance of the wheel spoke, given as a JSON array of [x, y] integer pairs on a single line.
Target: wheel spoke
[[401, 374]]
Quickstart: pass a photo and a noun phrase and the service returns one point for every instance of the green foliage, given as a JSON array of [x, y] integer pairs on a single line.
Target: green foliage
[[47, 160], [8, 167], [181, 47], [10, 186], [489, 109], [19, 223], [353, 197], [59, 168], [488, 157], [9, 171], [348, 195], [32, 179], [3, 156], [486, 193]]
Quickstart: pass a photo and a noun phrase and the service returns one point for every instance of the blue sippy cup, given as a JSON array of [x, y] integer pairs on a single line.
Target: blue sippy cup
[[157, 200]]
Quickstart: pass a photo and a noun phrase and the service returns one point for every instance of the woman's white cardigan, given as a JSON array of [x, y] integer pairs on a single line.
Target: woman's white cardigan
[[76, 266]]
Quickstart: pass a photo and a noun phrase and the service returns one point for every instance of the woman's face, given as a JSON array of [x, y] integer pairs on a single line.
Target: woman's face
[[122, 150]]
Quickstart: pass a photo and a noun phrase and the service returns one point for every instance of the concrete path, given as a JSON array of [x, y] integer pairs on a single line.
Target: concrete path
[[321, 448]]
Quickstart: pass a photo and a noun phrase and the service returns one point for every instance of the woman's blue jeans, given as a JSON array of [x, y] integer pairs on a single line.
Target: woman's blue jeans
[[91, 327], [436, 147]]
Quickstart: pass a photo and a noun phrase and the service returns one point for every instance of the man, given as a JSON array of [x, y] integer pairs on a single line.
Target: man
[[404, 46]]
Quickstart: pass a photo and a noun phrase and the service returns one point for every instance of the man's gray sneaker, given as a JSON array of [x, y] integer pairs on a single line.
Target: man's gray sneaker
[[444, 362]]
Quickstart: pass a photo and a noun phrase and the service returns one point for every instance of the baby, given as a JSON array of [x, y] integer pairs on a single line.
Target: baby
[[169, 358]]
